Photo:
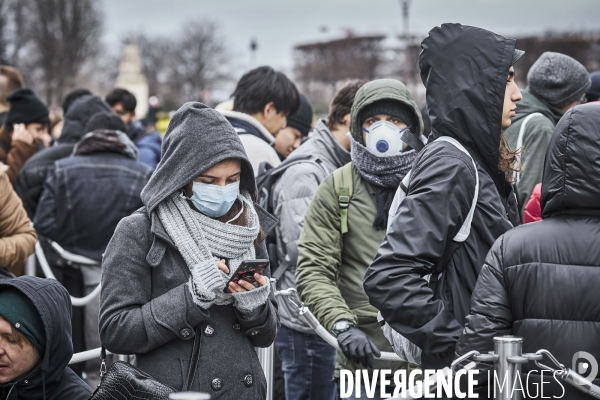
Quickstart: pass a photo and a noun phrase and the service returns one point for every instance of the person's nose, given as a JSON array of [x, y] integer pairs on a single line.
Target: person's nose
[[517, 95]]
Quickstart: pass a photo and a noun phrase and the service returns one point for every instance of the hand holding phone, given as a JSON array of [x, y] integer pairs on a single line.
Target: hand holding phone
[[247, 276]]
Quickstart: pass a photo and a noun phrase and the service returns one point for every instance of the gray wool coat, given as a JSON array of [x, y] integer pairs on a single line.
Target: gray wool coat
[[146, 307]]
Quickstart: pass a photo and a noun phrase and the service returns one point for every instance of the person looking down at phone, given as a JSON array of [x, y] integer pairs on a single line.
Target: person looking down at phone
[[165, 289]]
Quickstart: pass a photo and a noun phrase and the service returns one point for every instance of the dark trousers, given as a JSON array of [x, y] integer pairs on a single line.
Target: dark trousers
[[308, 364]]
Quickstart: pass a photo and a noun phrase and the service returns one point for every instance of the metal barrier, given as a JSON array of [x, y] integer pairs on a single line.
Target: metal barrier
[[507, 358], [39, 253], [312, 321]]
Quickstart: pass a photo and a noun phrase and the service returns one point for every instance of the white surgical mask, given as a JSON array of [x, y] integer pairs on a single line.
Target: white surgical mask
[[383, 139]]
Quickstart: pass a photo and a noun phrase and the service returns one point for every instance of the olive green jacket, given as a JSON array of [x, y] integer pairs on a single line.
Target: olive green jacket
[[331, 266]]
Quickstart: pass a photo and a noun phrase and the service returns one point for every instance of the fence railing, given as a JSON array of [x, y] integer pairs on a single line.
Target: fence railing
[[507, 356]]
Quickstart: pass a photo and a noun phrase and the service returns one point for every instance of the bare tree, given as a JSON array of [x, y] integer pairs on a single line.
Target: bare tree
[[200, 59], [64, 33], [182, 67]]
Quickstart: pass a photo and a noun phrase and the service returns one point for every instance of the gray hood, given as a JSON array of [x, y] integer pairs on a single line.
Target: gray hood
[[324, 146], [197, 138]]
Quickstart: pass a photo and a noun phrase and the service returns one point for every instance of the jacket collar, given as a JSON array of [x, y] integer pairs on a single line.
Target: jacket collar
[[252, 121]]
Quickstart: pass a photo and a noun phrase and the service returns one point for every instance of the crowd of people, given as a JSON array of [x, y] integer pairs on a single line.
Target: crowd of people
[[473, 217]]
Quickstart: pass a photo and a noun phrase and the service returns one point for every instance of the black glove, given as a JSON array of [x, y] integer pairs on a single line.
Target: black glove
[[356, 346]]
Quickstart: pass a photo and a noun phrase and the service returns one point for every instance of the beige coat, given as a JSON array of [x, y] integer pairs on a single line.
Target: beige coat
[[17, 236]]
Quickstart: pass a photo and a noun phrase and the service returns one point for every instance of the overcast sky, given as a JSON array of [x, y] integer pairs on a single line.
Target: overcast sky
[[279, 25]]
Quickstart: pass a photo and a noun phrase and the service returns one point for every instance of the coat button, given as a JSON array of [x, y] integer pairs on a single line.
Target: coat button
[[237, 327], [248, 380], [216, 384], [185, 332], [209, 330], [254, 332], [511, 200]]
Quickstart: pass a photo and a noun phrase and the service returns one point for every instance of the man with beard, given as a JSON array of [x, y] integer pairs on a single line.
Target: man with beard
[[471, 98]]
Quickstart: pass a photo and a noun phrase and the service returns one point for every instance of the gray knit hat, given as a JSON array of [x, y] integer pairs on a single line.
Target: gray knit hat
[[558, 79]]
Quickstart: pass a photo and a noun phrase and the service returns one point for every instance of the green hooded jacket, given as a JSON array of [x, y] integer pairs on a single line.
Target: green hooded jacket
[[536, 138], [331, 266]]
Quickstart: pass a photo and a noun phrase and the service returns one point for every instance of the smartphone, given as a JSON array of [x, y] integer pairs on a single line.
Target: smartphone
[[246, 271]]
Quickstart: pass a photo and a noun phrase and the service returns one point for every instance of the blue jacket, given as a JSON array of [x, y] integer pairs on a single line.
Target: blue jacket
[[148, 144], [85, 197]]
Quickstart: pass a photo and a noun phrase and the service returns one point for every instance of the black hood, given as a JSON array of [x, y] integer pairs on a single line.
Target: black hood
[[54, 306], [79, 114], [464, 70], [571, 181], [197, 138]]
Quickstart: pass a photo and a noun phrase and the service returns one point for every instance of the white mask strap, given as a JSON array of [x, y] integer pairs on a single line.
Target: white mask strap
[[241, 198]]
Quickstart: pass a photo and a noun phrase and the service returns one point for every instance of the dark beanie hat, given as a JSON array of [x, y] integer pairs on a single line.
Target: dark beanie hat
[[26, 108], [594, 90], [558, 79], [72, 96], [20, 312], [302, 119], [393, 108], [105, 120]]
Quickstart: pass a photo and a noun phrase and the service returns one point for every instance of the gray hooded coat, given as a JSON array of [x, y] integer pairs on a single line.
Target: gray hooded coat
[[293, 194], [146, 308]]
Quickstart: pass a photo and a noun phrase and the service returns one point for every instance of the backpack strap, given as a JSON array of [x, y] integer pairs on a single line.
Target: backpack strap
[[343, 182], [520, 140], [465, 229]]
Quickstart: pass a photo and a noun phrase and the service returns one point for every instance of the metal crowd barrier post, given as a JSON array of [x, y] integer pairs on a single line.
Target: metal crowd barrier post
[[265, 356], [30, 265]]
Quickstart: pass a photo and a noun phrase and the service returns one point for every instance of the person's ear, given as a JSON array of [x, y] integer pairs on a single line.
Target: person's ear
[[346, 119], [269, 110]]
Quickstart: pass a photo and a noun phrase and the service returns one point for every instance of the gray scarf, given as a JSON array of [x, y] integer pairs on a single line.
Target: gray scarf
[[386, 172], [199, 238]]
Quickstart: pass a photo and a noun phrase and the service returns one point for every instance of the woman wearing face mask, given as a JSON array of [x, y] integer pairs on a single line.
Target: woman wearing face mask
[[347, 219], [167, 265]]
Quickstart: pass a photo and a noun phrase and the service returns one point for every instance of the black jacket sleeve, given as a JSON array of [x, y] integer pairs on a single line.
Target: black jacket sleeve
[[490, 314], [440, 195]]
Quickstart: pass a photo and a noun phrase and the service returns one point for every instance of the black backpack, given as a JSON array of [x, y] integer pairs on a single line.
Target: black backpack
[[265, 182]]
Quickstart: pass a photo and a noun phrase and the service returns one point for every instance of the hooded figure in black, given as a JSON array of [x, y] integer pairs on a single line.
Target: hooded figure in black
[[30, 180], [465, 71], [51, 379], [540, 281]]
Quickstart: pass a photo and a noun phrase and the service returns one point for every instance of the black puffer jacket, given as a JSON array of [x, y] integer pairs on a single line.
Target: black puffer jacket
[[465, 71], [540, 281], [52, 379], [31, 178]]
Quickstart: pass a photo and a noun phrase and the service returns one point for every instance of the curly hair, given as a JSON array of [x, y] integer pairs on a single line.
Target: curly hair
[[509, 161]]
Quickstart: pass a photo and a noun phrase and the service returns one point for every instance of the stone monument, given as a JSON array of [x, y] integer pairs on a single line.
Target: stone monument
[[131, 77]]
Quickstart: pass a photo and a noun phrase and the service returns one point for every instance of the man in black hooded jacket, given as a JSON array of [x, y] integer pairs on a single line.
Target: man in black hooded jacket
[[36, 347], [471, 96], [540, 281]]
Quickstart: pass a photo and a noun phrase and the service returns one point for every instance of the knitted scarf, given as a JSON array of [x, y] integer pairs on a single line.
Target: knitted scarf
[[199, 238], [384, 173]]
